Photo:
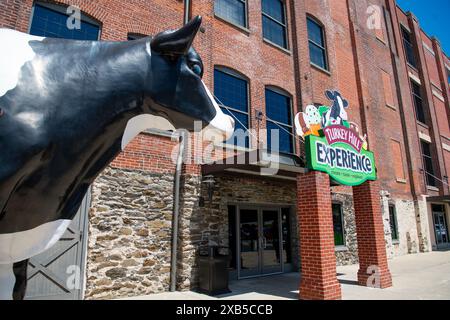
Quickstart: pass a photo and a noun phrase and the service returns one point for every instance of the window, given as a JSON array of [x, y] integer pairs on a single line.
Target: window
[[338, 225], [409, 48], [232, 93], [234, 11], [418, 102], [279, 117], [274, 22], [51, 21], [316, 39], [428, 164], [393, 222]]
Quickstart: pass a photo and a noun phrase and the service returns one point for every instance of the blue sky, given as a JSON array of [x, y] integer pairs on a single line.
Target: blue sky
[[434, 18]]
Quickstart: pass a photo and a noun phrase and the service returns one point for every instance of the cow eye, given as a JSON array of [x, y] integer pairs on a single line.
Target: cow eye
[[197, 69]]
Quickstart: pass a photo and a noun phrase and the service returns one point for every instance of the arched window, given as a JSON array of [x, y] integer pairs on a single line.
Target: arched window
[[231, 91], [50, 20], [274, 22], [317, 44], [279, 117]]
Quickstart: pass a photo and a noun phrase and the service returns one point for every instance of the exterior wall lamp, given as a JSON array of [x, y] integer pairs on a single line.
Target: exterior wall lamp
[[209, 182]]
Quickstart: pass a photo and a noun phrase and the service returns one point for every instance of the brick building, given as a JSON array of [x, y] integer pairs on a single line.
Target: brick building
[[265, 60]]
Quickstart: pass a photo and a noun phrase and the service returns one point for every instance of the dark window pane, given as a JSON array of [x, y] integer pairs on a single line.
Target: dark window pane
[[241, 136], [315, 32], [274, 32], [393, 222], [285, 142], [418, 102], [338, 225], [275, 9], [428, 164], [316, 44], [409, 48], [232, 236], [50, 23], [317, 55], [231, 91], [232, 10], [278, 107]]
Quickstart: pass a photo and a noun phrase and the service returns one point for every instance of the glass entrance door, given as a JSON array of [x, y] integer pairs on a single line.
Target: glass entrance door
[[249, 243], [271, 242], [260, 242], [440, 226]]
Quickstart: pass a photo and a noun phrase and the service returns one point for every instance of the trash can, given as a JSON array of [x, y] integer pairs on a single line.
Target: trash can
[[213, 268]]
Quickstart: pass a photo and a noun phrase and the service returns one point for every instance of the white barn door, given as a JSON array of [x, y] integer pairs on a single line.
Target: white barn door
[[58, 273]]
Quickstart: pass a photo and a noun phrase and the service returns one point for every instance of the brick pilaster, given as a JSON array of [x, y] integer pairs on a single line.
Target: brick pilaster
[[373, 265], [318, 260]]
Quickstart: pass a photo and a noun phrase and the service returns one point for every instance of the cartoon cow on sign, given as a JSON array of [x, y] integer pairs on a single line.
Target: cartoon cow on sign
[[68, 108], [337, 114]]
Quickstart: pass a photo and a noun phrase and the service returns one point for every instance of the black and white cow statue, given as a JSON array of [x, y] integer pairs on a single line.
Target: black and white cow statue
[[337, 114], [67, 109]]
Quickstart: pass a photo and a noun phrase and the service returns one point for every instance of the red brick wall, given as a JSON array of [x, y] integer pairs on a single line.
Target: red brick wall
[[357, 60]]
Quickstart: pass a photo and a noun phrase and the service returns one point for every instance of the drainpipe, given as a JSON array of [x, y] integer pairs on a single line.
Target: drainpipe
[[176, 214], [187, 10], [176, 207]]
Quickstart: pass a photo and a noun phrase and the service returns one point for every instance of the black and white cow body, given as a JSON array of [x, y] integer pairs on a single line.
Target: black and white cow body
[[68, 108]]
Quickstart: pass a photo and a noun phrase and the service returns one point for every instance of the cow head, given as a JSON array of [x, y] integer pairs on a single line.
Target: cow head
[[175, 88], [338, 109]]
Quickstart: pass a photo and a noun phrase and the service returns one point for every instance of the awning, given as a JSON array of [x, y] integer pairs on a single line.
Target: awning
[[439, 199], [261, 163]]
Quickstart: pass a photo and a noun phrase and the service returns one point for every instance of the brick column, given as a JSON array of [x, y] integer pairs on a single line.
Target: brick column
[[370, 235], [318, 260]]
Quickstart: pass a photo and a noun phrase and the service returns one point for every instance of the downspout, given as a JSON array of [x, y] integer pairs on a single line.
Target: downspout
[[176, 214], [176, 206], [187, 10]]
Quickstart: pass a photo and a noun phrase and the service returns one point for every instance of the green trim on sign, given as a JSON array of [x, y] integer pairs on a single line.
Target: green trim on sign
[[341, 161]]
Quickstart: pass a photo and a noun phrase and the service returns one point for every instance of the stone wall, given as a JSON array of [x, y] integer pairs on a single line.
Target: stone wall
[[130, 225], [349, 254], [408, 227], [129, 234]]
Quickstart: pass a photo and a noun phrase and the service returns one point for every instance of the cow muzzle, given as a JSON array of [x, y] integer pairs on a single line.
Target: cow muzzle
[[221, 127]]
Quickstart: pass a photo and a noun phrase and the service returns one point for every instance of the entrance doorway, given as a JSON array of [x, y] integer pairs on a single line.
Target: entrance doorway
[[263, 241], [440, 227]]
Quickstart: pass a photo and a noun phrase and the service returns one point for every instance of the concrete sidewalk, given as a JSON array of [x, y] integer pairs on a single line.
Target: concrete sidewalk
[[416, 277]]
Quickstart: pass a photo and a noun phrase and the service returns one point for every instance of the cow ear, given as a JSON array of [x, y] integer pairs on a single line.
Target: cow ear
[[345, 103], [179, 41], [329, 94]]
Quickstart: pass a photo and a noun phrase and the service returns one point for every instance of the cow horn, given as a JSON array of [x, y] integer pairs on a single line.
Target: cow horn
[[179, 41]]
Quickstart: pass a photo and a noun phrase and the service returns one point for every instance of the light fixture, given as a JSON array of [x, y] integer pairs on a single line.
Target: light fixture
[[209, 182]]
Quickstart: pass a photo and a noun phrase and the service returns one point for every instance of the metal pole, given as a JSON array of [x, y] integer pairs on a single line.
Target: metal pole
[[176, 207], [176, 214], [187, 10]]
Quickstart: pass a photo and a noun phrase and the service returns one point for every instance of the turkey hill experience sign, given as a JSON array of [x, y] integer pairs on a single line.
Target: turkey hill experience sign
[[334, 145]]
